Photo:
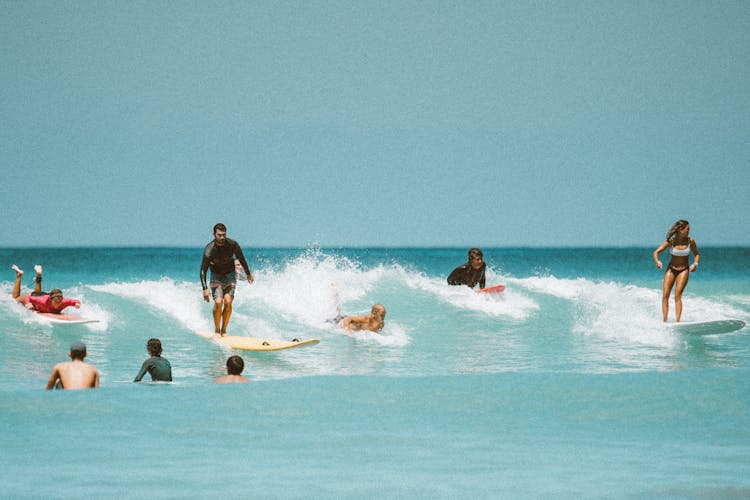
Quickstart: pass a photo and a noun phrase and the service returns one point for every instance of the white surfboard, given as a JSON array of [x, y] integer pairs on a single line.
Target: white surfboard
[[708, 327], [64, 319], [254, 344]]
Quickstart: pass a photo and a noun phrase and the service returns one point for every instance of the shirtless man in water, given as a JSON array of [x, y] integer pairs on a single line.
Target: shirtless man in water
[[374, 322], [235, 365], [74, 374]]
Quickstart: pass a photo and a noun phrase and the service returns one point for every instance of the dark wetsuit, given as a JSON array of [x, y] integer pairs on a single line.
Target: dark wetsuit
[[221, 260], [158, 367], [465, 275]]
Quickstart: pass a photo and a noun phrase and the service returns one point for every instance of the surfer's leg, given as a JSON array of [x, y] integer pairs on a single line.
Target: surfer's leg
[[666, 289], [681, 283], [217, 315], [227, 313], [38, 279], [17, 284]]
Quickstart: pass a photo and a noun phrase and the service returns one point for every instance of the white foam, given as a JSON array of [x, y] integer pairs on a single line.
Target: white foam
[[512, 304], [181, 300]]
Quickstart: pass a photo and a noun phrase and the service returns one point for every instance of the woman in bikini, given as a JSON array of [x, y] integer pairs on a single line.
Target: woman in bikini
[[678, 271]]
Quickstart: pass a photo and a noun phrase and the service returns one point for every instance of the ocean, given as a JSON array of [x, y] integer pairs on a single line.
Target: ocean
[[566, 385]]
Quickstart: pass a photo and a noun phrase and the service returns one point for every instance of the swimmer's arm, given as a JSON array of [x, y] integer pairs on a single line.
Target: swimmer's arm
[[96, 378], [53, 378], [144, 369], [659, 250], [357, 320]]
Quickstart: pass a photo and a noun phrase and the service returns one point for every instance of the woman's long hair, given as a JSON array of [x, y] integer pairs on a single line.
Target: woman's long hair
[[678, 226]]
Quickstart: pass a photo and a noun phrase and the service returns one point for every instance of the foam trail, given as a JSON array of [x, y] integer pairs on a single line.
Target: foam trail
[[511, 304], [180, 301]]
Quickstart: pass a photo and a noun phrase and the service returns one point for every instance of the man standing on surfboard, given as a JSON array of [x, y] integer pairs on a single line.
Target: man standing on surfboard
[[44, 302], [471, 273], [219, 256]]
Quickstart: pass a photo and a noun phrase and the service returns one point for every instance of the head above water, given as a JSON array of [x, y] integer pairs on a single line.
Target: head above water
[[678, 227], [378, 310], [77, 350], [56, 294], [154, 347], [476, 258], [235, 365]]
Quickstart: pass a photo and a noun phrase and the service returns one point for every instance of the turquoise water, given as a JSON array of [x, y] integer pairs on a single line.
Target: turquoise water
[[566, 385]]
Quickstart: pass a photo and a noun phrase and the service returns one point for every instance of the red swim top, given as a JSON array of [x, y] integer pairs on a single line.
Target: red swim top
[[43, 303]]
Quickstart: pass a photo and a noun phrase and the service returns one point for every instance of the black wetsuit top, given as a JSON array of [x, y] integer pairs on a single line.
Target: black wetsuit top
[[221, 259], [158, 367], [465, 275]]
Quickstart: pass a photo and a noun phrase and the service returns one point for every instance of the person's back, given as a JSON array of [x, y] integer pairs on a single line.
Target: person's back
[[74, 374], [159, 368]]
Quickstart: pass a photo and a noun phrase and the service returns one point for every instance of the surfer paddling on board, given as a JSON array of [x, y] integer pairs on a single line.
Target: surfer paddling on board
[[45, 302], [678, 271], [374, 322], [219, 256], [74, 374], [471, 273]]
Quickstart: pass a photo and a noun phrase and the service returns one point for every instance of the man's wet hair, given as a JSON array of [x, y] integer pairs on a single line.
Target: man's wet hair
[[77, 350], [235, 365], [154, 347], [220, 227]]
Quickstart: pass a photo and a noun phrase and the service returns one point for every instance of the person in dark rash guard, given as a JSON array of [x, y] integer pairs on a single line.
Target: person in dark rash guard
[[219, 256], [158, 367], [471, 273]]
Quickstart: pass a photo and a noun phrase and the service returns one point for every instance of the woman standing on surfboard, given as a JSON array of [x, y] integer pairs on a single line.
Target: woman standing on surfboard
[[678, 271]]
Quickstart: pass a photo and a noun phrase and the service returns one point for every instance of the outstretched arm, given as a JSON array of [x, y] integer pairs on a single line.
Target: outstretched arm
[[659, 250]]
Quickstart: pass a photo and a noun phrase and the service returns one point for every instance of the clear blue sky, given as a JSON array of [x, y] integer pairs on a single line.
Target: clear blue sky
[[358, 123]]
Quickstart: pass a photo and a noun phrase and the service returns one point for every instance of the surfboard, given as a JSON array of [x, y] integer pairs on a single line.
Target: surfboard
[[65, 319], [492, 289], [255, 344], [708, 327]]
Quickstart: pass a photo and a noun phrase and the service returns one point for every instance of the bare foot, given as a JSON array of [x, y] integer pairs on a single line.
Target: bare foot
[[38, 269], [17, 270]]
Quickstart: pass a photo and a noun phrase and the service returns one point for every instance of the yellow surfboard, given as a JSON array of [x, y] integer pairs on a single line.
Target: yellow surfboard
[[255, 344]]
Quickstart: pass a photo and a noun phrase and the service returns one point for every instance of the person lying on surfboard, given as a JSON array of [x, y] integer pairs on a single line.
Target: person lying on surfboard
[[680, 245], [471, 273], [45, 302], [374, 322]]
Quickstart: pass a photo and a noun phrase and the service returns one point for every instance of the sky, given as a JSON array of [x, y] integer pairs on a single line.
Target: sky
[[374, 123]]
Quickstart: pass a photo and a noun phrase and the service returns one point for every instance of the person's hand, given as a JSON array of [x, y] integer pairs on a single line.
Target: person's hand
[[693, 268], [77, 305], [206, 295], [658, 264], [250, 278], [29, 306]]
